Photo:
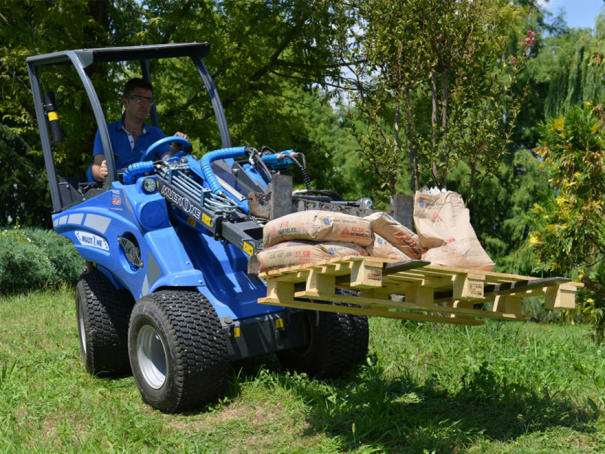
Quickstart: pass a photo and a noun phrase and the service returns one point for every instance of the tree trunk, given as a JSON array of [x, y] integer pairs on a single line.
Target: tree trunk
[[412, 152], [435, 170], [395, 169], [444, 132]]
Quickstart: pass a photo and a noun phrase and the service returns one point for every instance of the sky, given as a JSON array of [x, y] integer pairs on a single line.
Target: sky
[[578, 13]]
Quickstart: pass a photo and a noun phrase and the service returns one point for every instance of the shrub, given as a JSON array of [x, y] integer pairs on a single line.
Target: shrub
[[36, 258]]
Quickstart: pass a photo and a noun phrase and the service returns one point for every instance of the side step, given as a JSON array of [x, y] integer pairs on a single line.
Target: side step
[[425, 292]]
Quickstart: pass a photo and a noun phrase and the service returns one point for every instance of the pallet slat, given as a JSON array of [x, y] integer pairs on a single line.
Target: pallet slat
[[367, 311], [421, 285]]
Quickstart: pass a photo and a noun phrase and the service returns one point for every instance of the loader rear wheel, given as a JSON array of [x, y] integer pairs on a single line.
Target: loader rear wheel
[[102, 313], [337, 342], [178, 351]]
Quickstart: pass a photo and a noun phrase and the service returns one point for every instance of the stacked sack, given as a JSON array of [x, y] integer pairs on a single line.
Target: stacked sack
[[445, 236], [311, 236]]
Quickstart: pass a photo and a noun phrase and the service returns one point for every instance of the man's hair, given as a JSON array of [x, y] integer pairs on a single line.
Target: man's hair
[[136, 83]]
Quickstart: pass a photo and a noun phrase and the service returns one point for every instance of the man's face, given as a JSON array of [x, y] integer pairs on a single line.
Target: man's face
[[137, 110]]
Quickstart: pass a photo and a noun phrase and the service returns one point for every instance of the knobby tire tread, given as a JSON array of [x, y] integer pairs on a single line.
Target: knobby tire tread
[[202, 367], [108, 315]]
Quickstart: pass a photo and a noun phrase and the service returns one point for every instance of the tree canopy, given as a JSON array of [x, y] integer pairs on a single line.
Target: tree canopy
[[439, 93]]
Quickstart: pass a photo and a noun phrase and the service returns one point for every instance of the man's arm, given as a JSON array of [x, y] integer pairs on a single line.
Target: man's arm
[[99, 167]]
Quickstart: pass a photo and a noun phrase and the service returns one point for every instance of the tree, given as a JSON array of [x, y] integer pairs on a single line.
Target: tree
[[265, 54], [23, 195], [569, 229], [437, 84]]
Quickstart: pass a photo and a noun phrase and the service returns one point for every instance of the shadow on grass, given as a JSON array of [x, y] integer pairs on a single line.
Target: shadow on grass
[[401, 415]]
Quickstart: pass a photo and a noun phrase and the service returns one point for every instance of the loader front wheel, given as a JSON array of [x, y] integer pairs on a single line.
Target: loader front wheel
[[178, 351], [102, 314], [337, 342]]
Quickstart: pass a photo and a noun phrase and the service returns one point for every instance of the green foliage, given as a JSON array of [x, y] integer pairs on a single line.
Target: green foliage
[[35, 258], [266, 58], [434, 89], [23, 195], [569, 235]]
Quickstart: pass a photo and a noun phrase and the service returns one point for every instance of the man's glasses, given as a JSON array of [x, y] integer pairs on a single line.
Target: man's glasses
[[142, 99]]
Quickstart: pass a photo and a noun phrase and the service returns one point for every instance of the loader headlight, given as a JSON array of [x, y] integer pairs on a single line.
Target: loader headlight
[[149, 185]]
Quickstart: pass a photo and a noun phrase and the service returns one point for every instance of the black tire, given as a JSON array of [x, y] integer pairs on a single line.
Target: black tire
[[337, 342], [178, 351], [361, 330], [102, 314]]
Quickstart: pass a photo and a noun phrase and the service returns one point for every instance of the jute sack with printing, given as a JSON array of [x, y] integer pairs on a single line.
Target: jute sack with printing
[[315, 225], [466, 253], [383, 248], [395, 233], [292, 253]]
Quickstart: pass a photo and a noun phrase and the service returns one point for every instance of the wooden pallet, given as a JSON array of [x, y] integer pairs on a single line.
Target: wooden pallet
[[412, 290]]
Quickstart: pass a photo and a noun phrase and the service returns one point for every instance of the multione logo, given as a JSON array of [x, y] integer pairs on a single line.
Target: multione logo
[[182, 202]]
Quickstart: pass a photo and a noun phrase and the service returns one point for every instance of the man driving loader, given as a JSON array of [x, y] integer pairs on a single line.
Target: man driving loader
[[130, 136]]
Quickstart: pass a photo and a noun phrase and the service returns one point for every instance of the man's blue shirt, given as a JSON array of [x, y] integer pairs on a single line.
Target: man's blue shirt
[[125, 154]]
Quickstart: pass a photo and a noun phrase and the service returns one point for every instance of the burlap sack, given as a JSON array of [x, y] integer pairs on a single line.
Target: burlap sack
[[395, 233], [317, 226], [466, 253], [293, 253], [441, 219], [382, 248]]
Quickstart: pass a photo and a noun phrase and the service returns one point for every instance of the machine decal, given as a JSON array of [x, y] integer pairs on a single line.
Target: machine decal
[[182, 202], [92, 240], [153, 269], [116, 199], [206, 220], [94, 221], [191, 222], [145, 289], [75, 218], [248, 248], [132, 253]]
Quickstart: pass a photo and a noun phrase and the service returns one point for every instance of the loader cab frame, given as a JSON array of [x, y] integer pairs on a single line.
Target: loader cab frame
[[65, 193]]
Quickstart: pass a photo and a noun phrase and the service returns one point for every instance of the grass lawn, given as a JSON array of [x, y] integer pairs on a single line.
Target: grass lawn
[[502, 387]]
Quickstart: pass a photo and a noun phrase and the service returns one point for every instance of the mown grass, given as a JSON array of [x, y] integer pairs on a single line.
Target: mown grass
[[502, 387]]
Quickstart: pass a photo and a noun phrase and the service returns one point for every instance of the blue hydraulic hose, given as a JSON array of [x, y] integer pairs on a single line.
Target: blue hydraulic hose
[[224, 153], [137, 169]]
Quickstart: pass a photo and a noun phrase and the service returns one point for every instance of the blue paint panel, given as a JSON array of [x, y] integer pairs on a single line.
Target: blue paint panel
[[185, 257]]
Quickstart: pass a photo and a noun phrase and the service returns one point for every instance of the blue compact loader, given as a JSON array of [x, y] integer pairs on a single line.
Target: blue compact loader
[[167, 293]]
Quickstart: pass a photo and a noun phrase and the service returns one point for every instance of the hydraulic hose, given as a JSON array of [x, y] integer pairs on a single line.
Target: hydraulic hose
[[137, 169], [206, 161]]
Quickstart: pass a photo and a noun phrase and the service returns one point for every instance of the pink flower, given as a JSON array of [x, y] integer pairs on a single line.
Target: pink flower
[[439, 37], [464, 78], [513, 60], [468, 55], [522, 44], [531, 33]]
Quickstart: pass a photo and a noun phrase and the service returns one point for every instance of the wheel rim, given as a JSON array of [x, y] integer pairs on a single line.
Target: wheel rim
[[152, 356], [81, 326]]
